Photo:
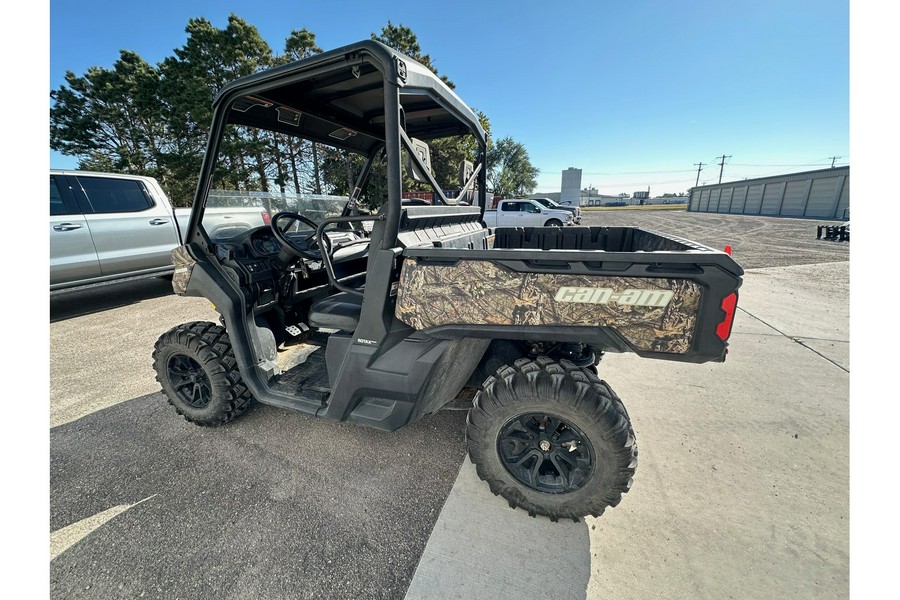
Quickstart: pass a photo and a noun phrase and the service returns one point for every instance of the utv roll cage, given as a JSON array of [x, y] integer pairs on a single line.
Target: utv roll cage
[[365, 98]]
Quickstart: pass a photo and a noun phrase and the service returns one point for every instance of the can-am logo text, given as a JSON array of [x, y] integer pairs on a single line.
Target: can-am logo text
[[629, 297]]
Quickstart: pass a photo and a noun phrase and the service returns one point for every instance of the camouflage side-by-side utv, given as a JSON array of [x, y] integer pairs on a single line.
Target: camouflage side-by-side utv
[[383, 318]]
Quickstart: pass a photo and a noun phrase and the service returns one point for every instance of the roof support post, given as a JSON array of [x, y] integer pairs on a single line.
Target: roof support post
[[394, 168]]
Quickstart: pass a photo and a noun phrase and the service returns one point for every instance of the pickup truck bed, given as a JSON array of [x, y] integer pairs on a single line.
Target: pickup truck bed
[[620, 289]]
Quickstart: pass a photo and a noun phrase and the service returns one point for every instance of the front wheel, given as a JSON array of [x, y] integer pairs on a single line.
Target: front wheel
[[552, 438], [198, 373], [553, 223]]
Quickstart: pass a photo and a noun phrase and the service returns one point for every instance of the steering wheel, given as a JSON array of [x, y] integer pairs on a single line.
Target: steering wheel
[[293, 245]]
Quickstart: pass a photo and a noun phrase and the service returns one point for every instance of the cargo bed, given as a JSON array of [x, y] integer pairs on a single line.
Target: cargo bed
[[620, 289]]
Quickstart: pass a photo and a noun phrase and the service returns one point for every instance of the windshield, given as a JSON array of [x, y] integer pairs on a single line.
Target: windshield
[[231, 212], [260, 173]]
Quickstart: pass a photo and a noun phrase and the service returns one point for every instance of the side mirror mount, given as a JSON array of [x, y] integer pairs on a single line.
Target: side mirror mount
[[423, 152], [466, 168]]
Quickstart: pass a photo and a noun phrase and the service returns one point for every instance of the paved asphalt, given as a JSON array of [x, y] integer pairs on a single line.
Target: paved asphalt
[[276, 505], [281, 505]]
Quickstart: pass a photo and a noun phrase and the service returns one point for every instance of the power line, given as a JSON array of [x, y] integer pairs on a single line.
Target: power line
[[717, 158], [609, 185], [813, 163], [630, 172], [759, 165], [721, 161]]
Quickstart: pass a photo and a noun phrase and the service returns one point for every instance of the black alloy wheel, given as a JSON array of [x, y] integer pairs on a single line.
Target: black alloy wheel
[[189, 380], [546, 453]]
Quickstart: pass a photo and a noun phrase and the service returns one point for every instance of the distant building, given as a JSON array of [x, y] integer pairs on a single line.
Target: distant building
[[570, 192], [604, 200]]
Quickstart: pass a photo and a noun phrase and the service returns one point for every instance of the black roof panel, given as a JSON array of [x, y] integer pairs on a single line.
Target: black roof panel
[[337, 97]]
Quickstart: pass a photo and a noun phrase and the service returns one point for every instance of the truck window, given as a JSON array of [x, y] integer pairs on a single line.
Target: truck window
[[511, 206], [57, 204], [109, 195]]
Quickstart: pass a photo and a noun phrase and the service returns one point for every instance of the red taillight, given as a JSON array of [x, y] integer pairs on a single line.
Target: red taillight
[[266, 218], [728, 249], [728, 305]]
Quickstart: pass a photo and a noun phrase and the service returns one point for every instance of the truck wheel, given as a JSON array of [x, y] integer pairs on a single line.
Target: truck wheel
[[198, 373], [552, 438], [553, 223]]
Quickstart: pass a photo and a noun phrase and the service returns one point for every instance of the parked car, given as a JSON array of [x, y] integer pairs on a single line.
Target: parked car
[[522, 212], [548, 203], [107, 226]]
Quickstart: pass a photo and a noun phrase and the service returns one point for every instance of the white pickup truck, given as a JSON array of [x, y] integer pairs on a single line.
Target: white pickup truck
[[522, 212], [107, 226], [548, 203]]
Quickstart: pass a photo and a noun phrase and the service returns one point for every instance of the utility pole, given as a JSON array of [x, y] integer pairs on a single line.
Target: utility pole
[[834, 158], [722, 166], [699, 168]]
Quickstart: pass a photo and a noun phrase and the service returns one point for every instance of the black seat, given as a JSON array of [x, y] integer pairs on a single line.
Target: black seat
[[340, 311]]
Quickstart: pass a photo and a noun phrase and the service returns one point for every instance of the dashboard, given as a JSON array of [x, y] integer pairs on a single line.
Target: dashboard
[[252, 254], [260, 243], [264, 243]]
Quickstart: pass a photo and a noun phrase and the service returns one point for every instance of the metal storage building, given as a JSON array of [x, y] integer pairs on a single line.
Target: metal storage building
[[822, 194]]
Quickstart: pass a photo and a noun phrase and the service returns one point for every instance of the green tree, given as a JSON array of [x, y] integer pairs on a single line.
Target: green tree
[[446, 153], [189, 82], [110, 118], [300, 44], [510, 172], [402, 39], [154, 120], [340, 169]]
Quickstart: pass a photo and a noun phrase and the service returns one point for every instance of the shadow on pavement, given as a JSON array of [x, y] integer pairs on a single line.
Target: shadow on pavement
[[274, 505], [68, 304]]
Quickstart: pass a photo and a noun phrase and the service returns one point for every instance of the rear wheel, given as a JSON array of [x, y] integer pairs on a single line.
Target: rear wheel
[[552, 438], [198, 373]]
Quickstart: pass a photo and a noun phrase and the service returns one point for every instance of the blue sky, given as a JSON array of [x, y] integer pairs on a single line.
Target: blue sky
[[633, 93]]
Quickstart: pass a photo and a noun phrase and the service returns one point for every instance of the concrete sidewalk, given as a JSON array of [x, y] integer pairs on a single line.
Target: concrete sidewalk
[[743, 485]]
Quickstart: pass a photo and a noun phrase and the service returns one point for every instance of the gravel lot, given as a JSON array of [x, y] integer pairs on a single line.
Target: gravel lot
[[757, 242]]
